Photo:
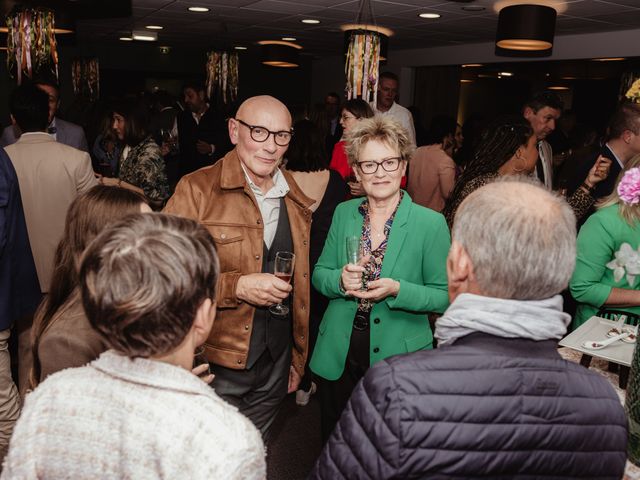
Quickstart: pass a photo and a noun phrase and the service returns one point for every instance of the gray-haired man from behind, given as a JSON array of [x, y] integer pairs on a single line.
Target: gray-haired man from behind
[[495, 400]]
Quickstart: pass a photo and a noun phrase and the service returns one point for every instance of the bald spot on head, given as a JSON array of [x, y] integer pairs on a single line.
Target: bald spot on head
[[255, 107]]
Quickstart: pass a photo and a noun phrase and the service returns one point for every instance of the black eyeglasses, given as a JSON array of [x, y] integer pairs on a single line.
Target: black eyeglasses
[[370, 167], [260, 134]]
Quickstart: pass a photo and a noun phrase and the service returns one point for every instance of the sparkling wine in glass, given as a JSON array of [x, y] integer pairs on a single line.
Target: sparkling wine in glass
[[283, 269]]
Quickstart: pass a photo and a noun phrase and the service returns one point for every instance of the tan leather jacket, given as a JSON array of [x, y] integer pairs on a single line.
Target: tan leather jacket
[[220, 199]]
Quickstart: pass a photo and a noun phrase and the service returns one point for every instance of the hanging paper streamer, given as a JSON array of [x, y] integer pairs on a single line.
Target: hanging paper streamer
[[31, 42], [361, 67], [85, 76], [222, 76]]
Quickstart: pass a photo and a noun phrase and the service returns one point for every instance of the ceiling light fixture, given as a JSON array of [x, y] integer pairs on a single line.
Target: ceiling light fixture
[[126, 39], [198, 9], [557, 87], [465, 80], [472, 65], [525, 31], [154, 27], [310, 21], [383, 32], [239, 47], [277, 53], [429, 15], [289, 39], [608, 59], [506, 74], [144, 36]]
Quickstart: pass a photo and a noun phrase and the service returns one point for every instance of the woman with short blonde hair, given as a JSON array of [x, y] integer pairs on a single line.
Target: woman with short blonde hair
[[377, 306]]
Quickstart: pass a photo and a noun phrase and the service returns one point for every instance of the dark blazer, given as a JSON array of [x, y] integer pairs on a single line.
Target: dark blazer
[[485, 407], [211, 129], [19, 287], [66, 132], [606, 186]]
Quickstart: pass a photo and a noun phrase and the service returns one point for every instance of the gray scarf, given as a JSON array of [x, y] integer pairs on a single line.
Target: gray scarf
[[529, 319]]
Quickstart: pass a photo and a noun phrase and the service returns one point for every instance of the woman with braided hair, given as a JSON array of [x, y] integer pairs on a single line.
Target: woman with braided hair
[[508, 147]]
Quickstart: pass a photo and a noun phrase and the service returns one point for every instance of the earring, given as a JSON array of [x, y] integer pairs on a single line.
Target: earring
[[517, 169]]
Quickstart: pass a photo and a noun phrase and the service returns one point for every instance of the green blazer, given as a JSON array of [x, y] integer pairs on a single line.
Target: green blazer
[[598, 241], [416, 256]]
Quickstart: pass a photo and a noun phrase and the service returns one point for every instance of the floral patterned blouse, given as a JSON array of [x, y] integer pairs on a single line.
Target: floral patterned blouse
[[143, 167], [374, 267]]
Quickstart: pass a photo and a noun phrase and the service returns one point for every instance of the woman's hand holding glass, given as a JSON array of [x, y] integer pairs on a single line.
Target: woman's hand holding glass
[[351, 277], [378, 290]]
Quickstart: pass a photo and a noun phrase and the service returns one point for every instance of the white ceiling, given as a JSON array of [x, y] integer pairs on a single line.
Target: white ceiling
[[244, 22]]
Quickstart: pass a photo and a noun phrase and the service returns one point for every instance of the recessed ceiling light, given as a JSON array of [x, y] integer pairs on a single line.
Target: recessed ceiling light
[[506, 74], [465, 80], [126, 39], [154, 27], [429, 15], [471, 65], [144, 36], [198, 9], [289, 39], [557, 87], [311, 21], [473, 8], [608, 59], [238, 47], [569, 77]]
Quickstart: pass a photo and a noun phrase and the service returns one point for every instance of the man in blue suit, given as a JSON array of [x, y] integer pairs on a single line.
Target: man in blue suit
[[62, 131], [19, 289]]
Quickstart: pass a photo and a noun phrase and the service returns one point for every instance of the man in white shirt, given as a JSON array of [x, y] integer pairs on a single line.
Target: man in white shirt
[[254, 210], [542, 111], [386, 103]]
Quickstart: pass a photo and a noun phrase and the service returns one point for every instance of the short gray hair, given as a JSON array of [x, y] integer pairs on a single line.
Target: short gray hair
[[520, 237]]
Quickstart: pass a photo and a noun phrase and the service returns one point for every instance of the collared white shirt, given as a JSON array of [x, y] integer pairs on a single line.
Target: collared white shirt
[[53, 125], [615, 156], [269, 203], [402, 115]]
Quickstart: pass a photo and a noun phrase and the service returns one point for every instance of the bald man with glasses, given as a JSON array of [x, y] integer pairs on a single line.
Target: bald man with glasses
[[254, 210]]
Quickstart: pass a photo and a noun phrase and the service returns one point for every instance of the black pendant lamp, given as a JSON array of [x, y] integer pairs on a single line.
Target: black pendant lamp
[[525, 31], [281, 54]]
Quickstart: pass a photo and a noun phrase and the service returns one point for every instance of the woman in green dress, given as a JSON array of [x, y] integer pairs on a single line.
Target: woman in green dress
[[605, 266]]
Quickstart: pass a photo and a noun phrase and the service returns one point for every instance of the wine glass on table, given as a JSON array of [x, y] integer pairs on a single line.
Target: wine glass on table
[[283, 269]]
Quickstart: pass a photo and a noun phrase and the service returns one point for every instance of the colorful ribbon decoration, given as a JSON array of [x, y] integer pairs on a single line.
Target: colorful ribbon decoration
[[31, 42]]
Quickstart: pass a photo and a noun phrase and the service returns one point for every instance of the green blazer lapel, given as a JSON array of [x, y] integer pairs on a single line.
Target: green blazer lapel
[[399, 230]]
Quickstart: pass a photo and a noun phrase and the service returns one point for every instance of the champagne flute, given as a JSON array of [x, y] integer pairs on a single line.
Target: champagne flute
[[354, 253], [283, 269]]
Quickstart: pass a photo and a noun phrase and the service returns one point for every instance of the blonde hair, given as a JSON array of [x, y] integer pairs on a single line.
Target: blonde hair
[[629, 213], [383, 129]]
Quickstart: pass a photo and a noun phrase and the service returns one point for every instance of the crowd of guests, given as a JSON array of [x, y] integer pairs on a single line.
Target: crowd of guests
[[473, 258]]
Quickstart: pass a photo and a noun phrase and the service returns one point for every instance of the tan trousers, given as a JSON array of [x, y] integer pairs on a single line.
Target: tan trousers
[[9, 398]]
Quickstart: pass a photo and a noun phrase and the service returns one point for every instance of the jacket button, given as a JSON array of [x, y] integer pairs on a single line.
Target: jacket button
[[301, 337], [257, 257], [246, 327], [376, 350], [259, 221], [303, 308], [239, 362], [304, 275], [304, 242], [376, 320], [223, 236]]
